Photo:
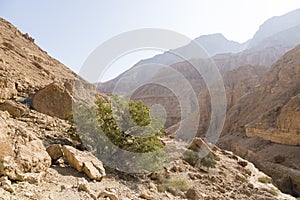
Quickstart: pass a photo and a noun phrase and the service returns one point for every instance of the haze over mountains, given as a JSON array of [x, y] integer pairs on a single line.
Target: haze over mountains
[[274, 32], [275, 37], [275, 25]]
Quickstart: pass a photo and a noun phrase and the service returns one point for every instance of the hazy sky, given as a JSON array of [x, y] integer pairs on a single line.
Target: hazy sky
[[71, 30]]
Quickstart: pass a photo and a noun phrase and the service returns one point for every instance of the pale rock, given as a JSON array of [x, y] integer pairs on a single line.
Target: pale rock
[[6, 184], [152, 187], [84, 186], [84, 162], [7, 88], [146, 195], [110, 195], [29, 194], [91, 171], [33, 178]]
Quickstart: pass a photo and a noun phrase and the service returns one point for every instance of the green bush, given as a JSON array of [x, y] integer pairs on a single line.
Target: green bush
[[208, 161], [176, 183], [191, 157], [128, 124], [114, 126]]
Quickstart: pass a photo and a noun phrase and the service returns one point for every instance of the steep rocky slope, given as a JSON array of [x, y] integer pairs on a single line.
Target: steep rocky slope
[[38, 159], [25, 68], [238, 83], [278, 87], [265, 123]]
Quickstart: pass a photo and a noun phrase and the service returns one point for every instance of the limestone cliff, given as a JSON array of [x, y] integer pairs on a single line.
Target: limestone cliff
[[265, 121]]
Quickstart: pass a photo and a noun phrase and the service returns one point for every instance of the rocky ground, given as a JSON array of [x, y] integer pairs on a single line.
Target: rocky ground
[[67, 174]]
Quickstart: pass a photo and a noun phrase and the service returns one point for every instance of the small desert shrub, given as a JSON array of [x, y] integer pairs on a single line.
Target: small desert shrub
[[177, 183], [209, 161], [264, 179], [191, 157]]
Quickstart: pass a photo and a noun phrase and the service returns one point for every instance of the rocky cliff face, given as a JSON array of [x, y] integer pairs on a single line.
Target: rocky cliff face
[[279, 86], [238, 83], [269, 115]]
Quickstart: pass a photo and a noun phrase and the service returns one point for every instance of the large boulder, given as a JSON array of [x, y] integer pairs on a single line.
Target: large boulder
[[54, 100], [21, 152]]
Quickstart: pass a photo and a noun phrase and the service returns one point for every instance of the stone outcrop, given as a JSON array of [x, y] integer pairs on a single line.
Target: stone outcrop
[[198, 145], [238, 83], [279, 125], [277, 136], [55, 151], [269, 115], [194, 194], [289, 118], [84, 162]]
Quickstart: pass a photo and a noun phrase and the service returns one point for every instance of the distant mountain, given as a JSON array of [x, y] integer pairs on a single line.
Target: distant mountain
[[287, 38], [212, 44], [275, 25], [274, 38], [218, 44]]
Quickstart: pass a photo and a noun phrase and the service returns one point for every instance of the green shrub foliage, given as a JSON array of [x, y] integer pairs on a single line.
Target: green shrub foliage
[[128, 124], [114, 126], [208, 161], [192, 157]]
